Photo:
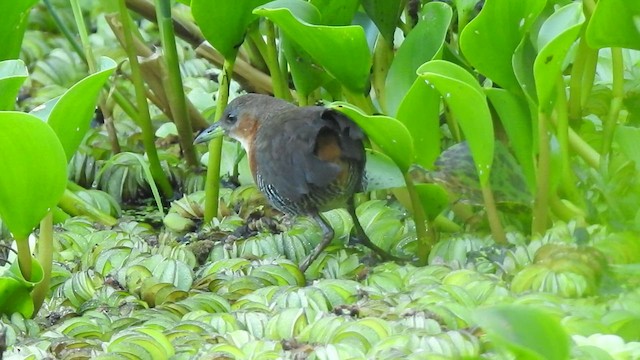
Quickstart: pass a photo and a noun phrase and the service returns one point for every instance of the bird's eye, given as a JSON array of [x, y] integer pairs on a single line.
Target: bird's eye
[[232, 118]]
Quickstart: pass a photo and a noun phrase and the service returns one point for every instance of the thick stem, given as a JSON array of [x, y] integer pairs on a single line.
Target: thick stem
[[280, 88], [143, 107], [616, 101], [45, 257], [74, 205], [174, 88], [382, 59], [561, 121], [541, 204], [492, 216], [24, 257], [426, 236], [212, 184]]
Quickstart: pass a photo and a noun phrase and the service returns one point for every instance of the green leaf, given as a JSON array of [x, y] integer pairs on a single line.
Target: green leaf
[[615, 23], [385, 14], [434, 199], [516, 120], [389, 134], [15, 297], [12, 74], [71, 114], [468, 104], [528, 332], [306, 74], [491, 53], [224, 23], [381, 172], [336, 12], [420, 113], [422, 44], [523, 59], [550, 61], [12, 26], [342, 50], [34, 171], [627, 138]]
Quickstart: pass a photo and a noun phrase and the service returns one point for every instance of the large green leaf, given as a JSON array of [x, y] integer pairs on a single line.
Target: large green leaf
[[420, 113], [489, 52], [558, 35], [516, 120], [421, 45], [70, 115], [15, 297], [34, 171], [392, 137], [385, 14], [615, 23], [468, 104], [12, 26], [336, 12], [528, 332], [12, 74], [341, 50], [224, 23]]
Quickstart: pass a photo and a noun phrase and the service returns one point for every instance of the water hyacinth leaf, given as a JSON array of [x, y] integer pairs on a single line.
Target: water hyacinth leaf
[[342, 50], [224, 23], [532, 333], [550, 61], [515, 118], [389, 134], [385, 14], [381, 172], [434, 199], [615, 24], [422, 44], [420, 113], [523, 60], [627, 138], [71, 114], [15, 297], [306, 74], [12, 26], [336, 12], [12, 74], [34, 171], [468, 104], [490, 54]]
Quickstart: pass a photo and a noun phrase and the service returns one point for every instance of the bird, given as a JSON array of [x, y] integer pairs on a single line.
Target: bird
[[305, 160]]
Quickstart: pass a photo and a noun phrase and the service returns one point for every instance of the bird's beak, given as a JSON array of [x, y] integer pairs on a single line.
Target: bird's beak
[[209, 133]]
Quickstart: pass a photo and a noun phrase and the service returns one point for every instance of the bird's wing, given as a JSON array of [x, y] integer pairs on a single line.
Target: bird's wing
[[319, 140]]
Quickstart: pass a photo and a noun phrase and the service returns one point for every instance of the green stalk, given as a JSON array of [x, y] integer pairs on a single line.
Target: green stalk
[[616, 101], [212, 184], [64, 29], [541, 204], [45, 257], [426, 236], [561, 122], [492, 216], [361, 101], [382, 59], [74, 205], [280, 88], [143, 107], [24, 257], [84, 36], [174, 88], [590, 64], [575, 81]]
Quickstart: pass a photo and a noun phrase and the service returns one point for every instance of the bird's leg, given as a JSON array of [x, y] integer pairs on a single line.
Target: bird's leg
[[327, 236], [362, 236]]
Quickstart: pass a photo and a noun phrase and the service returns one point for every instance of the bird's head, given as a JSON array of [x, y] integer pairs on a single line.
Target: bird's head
[[243, 117]]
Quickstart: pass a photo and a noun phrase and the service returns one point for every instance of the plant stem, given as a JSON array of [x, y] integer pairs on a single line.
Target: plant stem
[[45, 257], [426, 236], [74, 205], [492, 216], [212, 184], [143, 107], [64, 29], [174, 88], [24, 257], [280, 88], [561, 122], [541, 204], [609, 125], [84, 36], [382, 59], [575, 81]]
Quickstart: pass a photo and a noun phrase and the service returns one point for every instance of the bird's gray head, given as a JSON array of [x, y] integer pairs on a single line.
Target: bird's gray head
[[242, 118]]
